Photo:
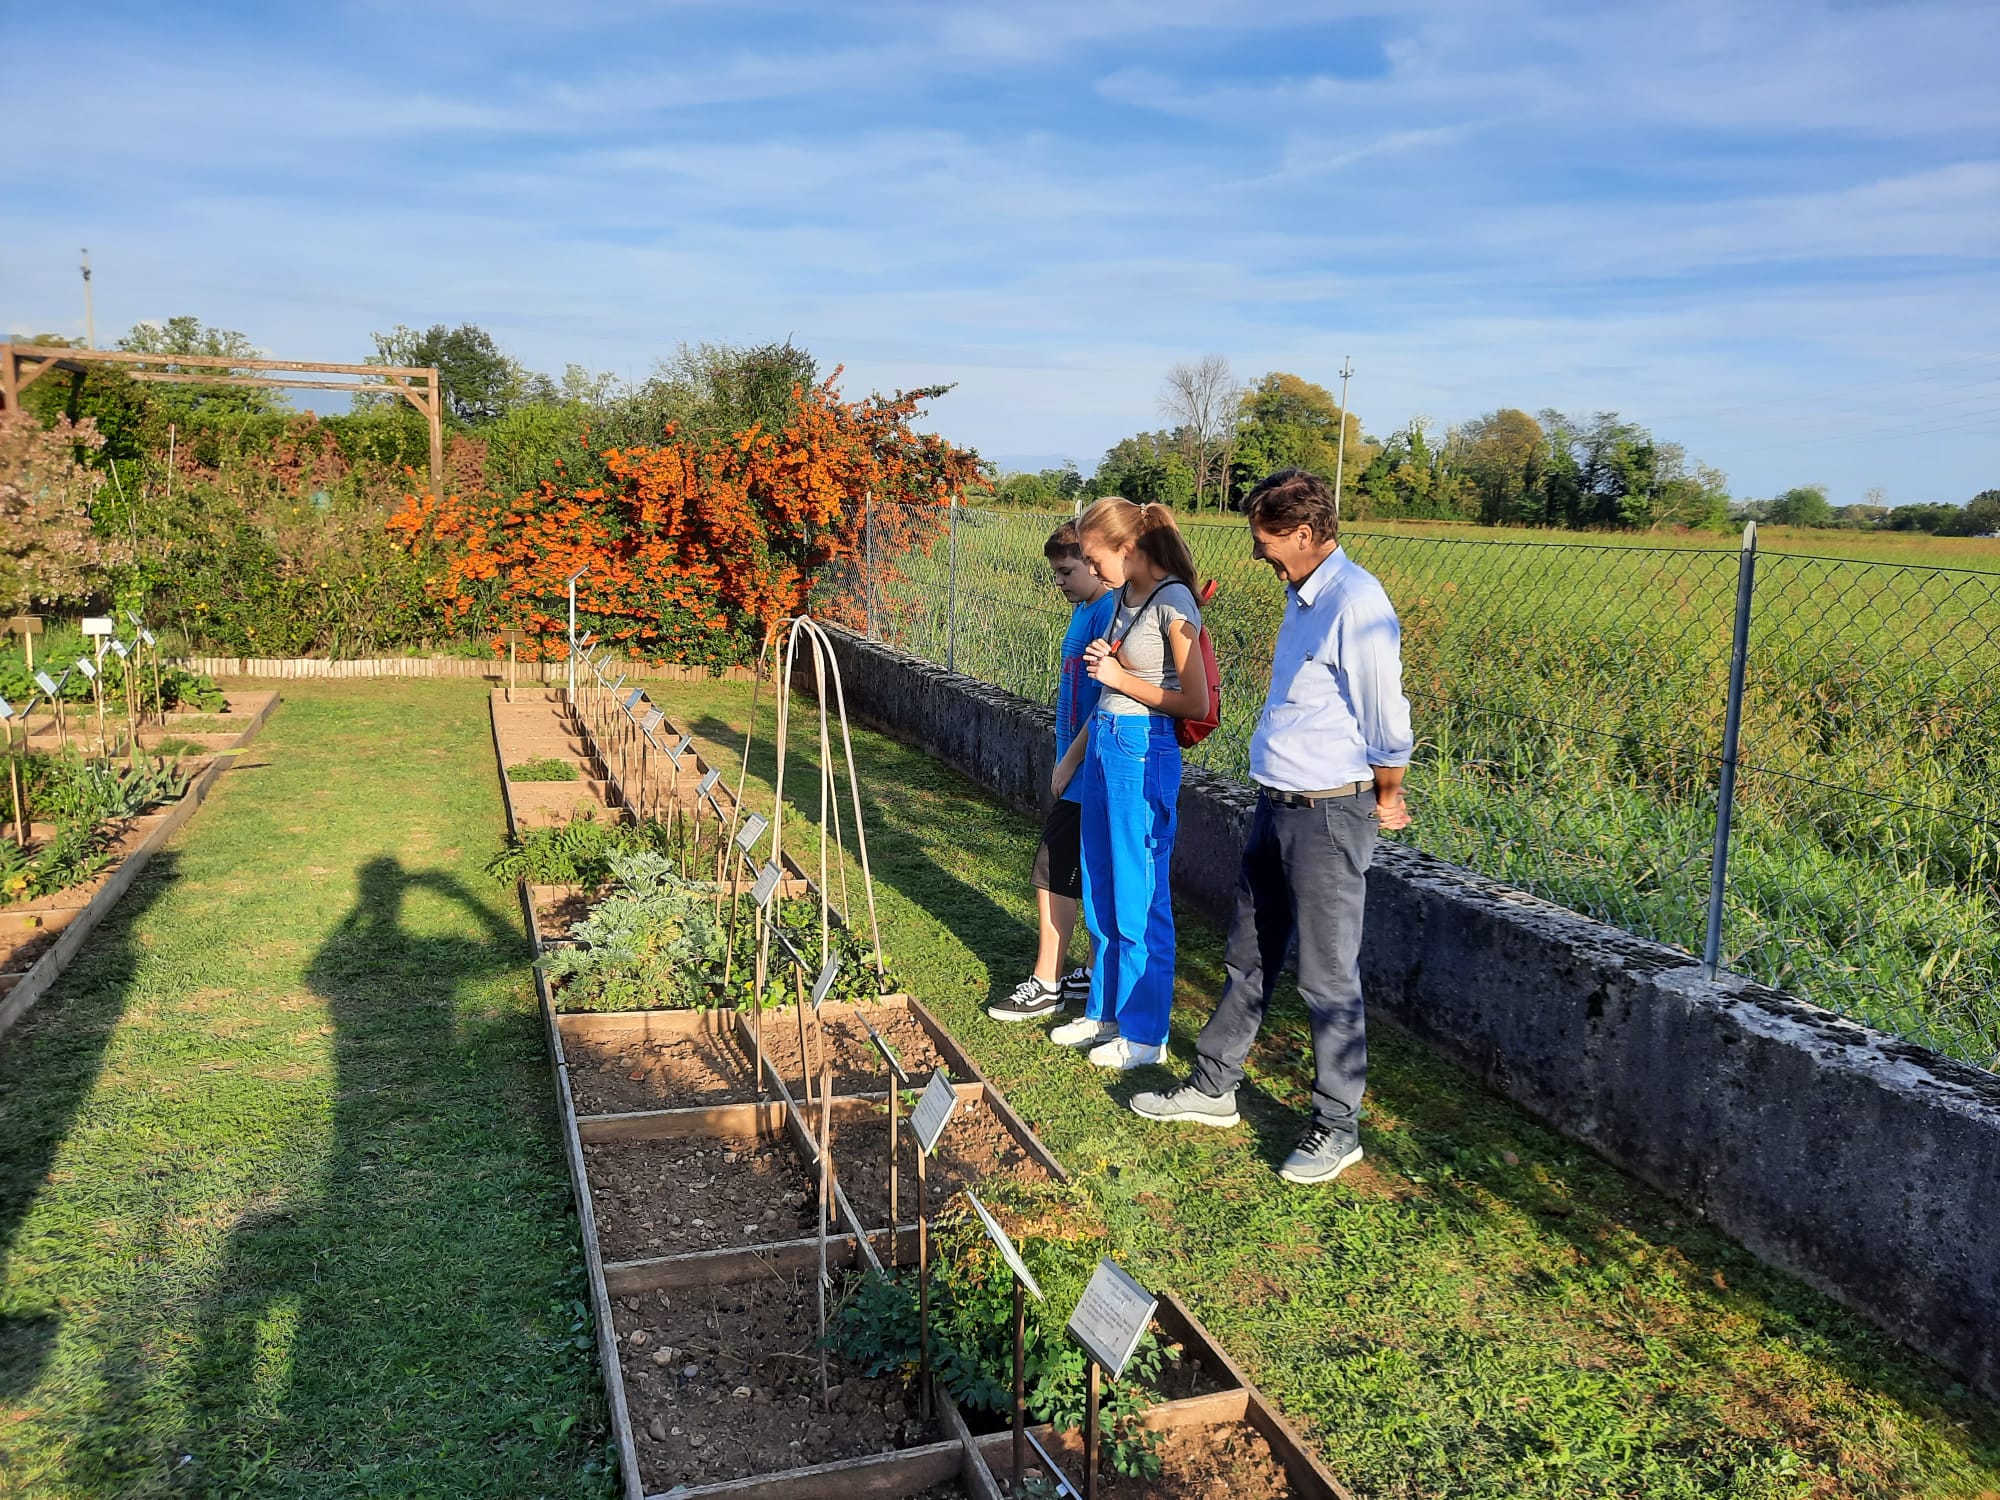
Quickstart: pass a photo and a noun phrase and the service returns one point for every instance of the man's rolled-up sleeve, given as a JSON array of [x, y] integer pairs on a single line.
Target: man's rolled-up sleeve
[[1369, 644]]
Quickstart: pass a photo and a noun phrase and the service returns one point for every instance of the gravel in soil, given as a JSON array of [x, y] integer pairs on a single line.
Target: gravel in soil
[[857, 1066], [975, 1147], [1227, 1462], [723, 1382], [617, 1077], [654, 1198]]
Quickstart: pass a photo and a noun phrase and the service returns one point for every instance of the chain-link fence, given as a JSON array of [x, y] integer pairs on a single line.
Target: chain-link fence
[[1571, 702]]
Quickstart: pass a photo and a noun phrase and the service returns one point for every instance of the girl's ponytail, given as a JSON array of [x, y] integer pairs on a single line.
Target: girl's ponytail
[[1151, 527], [1161, 540]]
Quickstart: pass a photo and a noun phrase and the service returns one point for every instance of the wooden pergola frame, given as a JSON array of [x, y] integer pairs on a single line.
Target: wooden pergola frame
[[21, 365]]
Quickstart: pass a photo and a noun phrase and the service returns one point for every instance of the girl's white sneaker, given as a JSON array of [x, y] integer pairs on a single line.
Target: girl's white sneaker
[[1125, 1053], [1083, 1032]]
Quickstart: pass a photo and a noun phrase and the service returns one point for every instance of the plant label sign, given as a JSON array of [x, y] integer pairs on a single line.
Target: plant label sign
[[934, 1107], [25, 625], [6, 709], [119, 646], [751, 831], [686, 744], [147, 636], [706, 791], [823, 986], [653, 721], [88, 667], [47, 683], [638, 697], [767, 884], [1111, 1316], [99, 625], [1006, 1247]]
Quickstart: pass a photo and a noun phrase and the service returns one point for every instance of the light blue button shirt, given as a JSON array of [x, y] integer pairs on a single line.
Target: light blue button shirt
[[1336, 708]]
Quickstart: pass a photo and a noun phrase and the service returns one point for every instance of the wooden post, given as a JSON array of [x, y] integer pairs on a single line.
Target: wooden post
[[14, 779], [923, 1287], [1090, 1438], [435, 412], [895, 1149], [825, 1213], [1020, 1384]]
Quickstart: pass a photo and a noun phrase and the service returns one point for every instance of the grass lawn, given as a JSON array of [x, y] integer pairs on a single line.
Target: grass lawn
[[1481, 1308], [282, 1209]]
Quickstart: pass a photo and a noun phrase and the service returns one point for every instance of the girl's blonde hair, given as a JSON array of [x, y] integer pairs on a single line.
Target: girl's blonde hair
[[1118, 521]]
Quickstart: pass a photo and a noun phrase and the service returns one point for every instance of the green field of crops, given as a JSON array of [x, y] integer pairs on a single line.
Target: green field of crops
[[1570, 694]]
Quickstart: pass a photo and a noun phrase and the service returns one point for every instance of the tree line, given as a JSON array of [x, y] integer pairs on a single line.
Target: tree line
[[1505, 468]]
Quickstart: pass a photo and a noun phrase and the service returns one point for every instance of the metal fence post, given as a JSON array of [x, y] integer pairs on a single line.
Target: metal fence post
[[868, 563], [1732, 723], [951, 628]]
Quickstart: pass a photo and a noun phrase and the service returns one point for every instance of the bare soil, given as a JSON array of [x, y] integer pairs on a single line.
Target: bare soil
[[857, 1067], [558, 908], [976, 1146], [1226, 1462], [617, 1077], [723, 1382], [654, 1198]]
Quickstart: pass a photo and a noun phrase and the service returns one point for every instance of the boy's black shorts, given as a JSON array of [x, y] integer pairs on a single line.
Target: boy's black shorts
[[1059, 856]]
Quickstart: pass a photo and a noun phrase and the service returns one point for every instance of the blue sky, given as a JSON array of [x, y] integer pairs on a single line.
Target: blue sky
[[1769, 230]]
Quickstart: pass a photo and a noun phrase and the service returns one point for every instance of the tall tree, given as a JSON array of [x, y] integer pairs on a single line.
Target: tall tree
[[1291, 423], [189, 335], [1201, 399], [480, 382], [1802, 505], [1502, 455]]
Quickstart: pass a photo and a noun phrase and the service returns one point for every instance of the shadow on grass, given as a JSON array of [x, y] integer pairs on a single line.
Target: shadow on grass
[[49, 1064], [342, 1318]]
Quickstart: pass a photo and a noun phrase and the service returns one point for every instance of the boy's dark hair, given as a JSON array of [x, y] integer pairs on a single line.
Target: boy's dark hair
[[1062, 543], [1292, 498]]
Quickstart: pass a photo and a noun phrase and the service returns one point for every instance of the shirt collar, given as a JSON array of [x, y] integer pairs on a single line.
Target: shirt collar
[[1321, 577]]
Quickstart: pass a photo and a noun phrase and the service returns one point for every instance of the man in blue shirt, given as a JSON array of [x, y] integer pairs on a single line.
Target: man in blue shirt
[[1058, 872], [1328, 759]]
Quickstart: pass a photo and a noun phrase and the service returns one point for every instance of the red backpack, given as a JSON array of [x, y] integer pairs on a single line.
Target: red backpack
[[1191, 732]]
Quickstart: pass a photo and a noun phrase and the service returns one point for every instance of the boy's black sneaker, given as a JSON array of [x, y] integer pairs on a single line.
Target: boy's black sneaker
[[1076, 987], [1030, 1001]]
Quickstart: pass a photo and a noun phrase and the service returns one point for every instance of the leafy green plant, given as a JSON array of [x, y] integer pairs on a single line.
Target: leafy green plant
[[655, 943], [574, 853], [545, 768], [972, 1321]]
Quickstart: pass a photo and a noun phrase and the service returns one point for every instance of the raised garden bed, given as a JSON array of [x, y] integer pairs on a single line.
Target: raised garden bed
[[661, 1197], [43, 935], [665, 1125], [723, 1382], [977, 1146]]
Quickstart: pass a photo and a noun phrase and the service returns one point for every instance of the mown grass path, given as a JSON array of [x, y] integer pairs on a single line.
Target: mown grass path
[[282, 1209], [1481, 1308]]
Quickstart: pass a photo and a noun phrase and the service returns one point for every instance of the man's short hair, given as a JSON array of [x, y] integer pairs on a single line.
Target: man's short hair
[[1292, 498], [1063, 542]]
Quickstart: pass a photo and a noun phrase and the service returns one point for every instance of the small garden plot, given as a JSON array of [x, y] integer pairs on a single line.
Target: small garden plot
[[657, 1198], [1227, 1461], [977, 1148], [722, 1382], [845, 1048], [620, 1075]]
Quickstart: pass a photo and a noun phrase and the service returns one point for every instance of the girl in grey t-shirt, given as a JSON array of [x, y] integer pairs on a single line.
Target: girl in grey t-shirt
[[1130, 762]]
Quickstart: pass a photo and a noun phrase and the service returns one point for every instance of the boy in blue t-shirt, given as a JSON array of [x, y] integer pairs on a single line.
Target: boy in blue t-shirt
[[1058, 872]]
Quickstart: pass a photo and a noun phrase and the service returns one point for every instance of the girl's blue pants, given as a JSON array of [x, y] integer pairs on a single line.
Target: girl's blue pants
[[1131, 800]]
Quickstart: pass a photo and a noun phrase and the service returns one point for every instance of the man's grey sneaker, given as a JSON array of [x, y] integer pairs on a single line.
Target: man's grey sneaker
[[1186, 1103], [1031, 999], [1076, 987], [1321, 1155]]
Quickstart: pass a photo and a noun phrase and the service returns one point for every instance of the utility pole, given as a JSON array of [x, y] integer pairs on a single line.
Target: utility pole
[[1340, 443], [89, 321]]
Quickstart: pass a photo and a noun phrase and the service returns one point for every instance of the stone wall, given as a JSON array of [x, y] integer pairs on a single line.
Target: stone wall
[[1867, 1167]]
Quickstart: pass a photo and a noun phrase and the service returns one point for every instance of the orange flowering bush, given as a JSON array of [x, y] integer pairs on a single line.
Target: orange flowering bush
[[693, 547]]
